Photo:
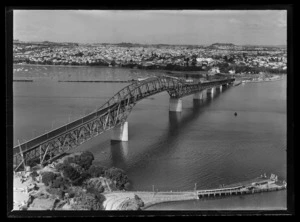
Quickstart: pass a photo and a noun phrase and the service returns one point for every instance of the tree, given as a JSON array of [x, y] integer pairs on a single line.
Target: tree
[[48, 177], [194, 61], [187, 61], [97, 171], [230, 60], [118, 176], [113, 63], [80, 54]]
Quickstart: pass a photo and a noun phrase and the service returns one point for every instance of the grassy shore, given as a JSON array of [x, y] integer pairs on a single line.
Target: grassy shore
[[115, 199]]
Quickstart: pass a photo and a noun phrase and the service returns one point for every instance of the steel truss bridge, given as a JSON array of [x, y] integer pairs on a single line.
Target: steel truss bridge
[[45, 148]]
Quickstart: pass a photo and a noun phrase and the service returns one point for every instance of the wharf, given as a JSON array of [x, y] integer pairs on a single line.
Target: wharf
[[257, 185]]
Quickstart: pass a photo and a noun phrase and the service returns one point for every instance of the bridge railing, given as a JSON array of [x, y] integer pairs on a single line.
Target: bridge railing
[[127, 90], [56, 132]]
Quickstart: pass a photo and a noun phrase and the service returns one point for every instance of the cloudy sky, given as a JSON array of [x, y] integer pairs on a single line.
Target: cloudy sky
[[261, 27]]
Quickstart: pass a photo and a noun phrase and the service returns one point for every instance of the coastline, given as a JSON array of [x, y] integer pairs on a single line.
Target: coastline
[[260, 201], [169, 72], [28, 191], [258, 81], [115, 199], [71, 66], [273, 80], [276, 77], [95, 66]]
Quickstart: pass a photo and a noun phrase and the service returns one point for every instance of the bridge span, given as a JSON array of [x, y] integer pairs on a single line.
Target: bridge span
[[110, 116]]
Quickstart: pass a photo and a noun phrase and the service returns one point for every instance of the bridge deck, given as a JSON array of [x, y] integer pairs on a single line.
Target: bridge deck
[[112, 113]]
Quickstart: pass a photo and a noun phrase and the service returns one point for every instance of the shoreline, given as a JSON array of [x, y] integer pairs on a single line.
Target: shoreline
[[257, 185], [115, 200], [276, 77], [96, 66], [169, 72], [257, 81], [70, 66]]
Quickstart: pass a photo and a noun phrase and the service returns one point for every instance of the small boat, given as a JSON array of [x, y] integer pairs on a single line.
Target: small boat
[[235, 114]]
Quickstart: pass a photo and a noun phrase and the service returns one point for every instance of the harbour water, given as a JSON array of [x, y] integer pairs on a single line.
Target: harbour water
[[204, 146]]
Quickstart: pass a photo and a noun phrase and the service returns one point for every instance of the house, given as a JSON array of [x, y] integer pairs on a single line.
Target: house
[[213, 70]]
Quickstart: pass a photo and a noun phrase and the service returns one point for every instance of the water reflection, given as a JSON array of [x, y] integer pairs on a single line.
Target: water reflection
[[174, 119], [166, 143], [119, 153], [198, 107], [211, 95]]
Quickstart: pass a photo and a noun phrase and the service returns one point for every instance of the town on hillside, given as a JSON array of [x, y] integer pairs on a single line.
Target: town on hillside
[[224, 58]]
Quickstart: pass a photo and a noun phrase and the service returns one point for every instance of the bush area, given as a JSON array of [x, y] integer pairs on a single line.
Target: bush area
[[73, 181], [83, 159], [76, 169], [88, 201], [48, 178], [118, 176], [97, 171]]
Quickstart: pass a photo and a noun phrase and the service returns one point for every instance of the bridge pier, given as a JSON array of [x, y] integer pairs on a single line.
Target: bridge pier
[[225, 86], [219, 88], [120, 132], [175, 105], [198, 96], [210, 91]]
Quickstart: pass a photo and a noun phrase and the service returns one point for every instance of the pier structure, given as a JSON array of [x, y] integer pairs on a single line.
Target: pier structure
[[199, 95], [120, 132], [258, 185], [175, 105], [220, 193], [219, 88], [211, 91]]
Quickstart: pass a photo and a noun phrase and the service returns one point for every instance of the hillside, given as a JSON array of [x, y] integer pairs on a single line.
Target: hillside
[[222, 46]]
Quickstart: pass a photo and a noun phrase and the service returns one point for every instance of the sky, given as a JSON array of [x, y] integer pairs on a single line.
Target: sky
[[192, 27]]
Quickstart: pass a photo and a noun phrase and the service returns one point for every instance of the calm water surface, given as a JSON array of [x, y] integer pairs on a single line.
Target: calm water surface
[[205, 144]]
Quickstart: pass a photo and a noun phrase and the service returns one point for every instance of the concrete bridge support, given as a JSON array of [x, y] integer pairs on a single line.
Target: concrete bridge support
[[120, 132], [211, 91], [219, 88], [198, 96], [175, 105]]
